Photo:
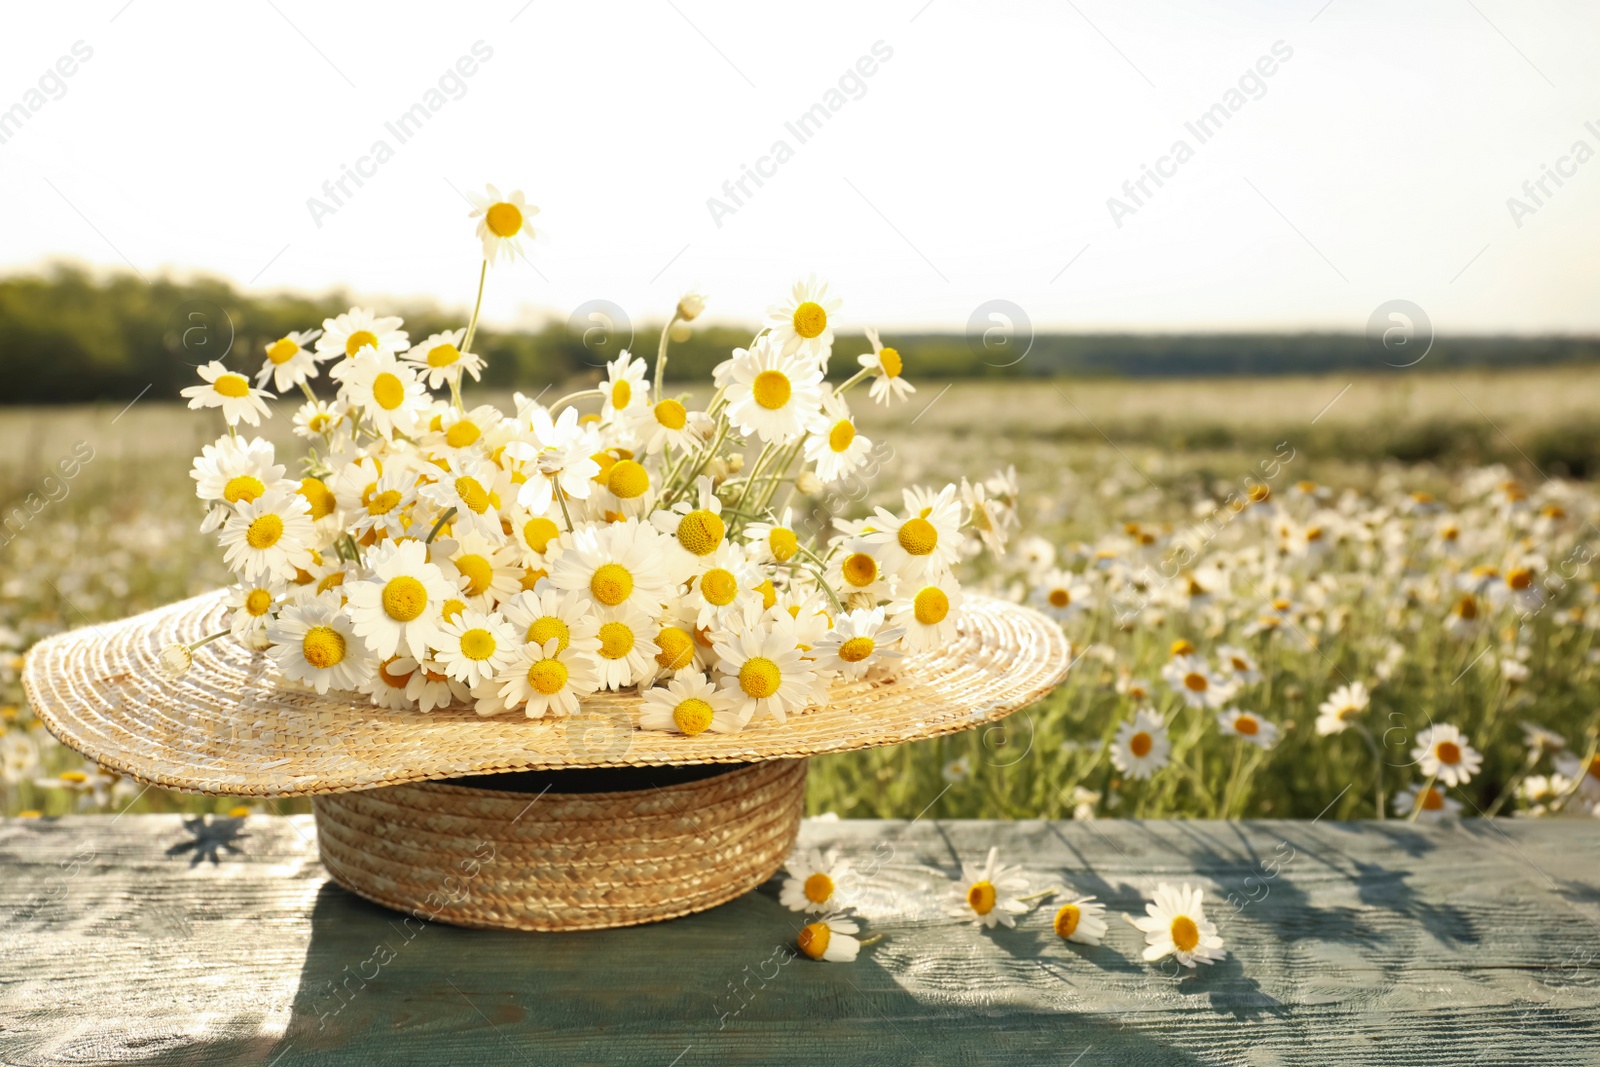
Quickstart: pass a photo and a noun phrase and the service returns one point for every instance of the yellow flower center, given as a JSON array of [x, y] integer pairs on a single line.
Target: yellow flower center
[[843, 432], [1467, 608], [759, 677], [451, 609], [547, 676], [257, 602], [769, 594], [857, 649], [232, 386], [538, 533], [330, 581], [404, 598], [859, 569], [671, 414], [1196, 682], [891, 362], [478, 572], [930, 606], [549, 628], [323, 647], [1519, 578], [677, 648], [359, 340], [398, 681], [918, 536], [282, 351], [477, 644], [264, 531], [319, 496], [1185, 934], [1246, 725], [1432, 799], [701, 531], [245, 487], [384, 502], [810, 319], [76, 777], [616, 640], [388, 391], [719, 587], [462, 434], [611, 584], [472, 494], [1181, 647], [813, 940], [771, 389], [628, 479], [980, 898], [621, 393], [819, 888], [1140, 743], [692, 716], [1449, 752], [1067, 920], [1060, 598], [440, 356], [783, 544], [505, 220]]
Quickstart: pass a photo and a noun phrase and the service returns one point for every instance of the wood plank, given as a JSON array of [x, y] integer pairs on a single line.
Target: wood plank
[[1373, 943]]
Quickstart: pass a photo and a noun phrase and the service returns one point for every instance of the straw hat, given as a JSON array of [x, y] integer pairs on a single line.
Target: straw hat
[[233, 725]]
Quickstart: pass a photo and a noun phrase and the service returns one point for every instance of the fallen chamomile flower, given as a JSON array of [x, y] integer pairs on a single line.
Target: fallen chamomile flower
[[1082, 920], [1175, 925], [988, 895], [831, 939], [813, 881]]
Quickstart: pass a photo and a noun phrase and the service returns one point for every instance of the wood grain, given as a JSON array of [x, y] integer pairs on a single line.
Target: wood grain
[[1373, 943]]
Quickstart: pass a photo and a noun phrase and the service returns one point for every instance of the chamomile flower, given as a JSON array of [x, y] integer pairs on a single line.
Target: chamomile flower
[[1062, 594], [625, 392], [927, 613], [289, 362], [1238, 665], [314, 643], [429, 687], [665, 424], [628, 490], [319, 419], [503, 222], [1342, 709], [988, 895], [688, 704], [800, 325], [546, 680], [379, 506], [615, 565], [389, 682], [439, 359], [1197, 683], [627, 646], [859, 642], [1443, 752], [250, 607], [724, 583], [269, 537], [1248, 726], [399, 607], [1082, 920], [1433, 801], [989, 517], [832, 939], [344, 336], [765, 674], [230, 391], [772, 395], [1176, 925], [385, 390], [475, 646], [925, 543], [855, 569], [234, 469], [833, 446], [773, 540], [1141, 747], [462, 433], [697, 529], [473, 490], [486, 572], [886, 365], [812, 882], [560, 455]]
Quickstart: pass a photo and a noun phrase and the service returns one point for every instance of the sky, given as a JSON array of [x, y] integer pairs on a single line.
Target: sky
[[959, 153]]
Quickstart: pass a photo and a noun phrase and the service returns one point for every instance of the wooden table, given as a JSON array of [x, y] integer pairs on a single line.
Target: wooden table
[[140, 940]]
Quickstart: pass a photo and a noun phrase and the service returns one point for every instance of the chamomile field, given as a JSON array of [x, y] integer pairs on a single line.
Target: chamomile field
[[1285, 596]]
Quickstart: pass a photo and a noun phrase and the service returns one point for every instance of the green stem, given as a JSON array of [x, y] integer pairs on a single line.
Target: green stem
[[446, 517], [561, 498], [472, 324], [661, 354]]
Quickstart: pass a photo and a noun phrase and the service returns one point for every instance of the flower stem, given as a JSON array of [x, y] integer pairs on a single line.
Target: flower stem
[[446, 517], [472, 324]]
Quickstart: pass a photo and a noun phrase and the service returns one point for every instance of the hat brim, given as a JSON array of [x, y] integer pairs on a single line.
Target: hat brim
[[233, 725]]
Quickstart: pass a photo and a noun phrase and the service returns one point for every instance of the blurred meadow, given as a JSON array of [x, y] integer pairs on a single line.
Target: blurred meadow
[[1416, 544]]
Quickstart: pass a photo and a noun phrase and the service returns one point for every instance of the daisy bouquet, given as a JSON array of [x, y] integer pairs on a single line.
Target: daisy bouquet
[[428, 552]]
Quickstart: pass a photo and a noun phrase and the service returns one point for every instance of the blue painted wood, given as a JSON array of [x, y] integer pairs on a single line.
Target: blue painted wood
[[137, 940]]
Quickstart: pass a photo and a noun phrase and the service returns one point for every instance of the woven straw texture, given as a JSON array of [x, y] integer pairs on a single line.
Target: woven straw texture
[[233, 725], [563, 861]]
